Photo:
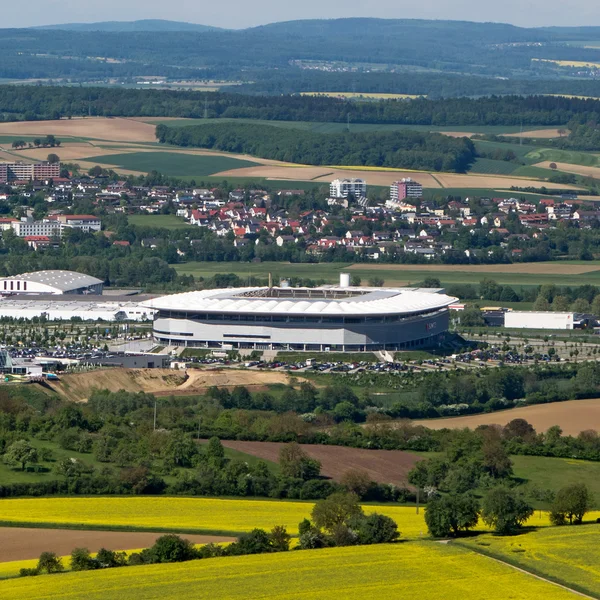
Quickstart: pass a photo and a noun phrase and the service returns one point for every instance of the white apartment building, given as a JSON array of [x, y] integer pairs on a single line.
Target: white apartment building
[[342, 188]]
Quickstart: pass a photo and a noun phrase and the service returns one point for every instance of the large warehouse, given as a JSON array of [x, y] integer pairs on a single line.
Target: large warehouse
[[347, 319], [50, 282]]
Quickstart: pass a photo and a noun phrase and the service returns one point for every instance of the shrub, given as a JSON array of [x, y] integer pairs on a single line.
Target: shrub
[[81, 560], [49, 563]]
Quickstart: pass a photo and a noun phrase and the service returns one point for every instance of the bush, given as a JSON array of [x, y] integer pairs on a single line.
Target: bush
[[377, 529], [81, 560], [170, 548], [28, 572], [49, 563]]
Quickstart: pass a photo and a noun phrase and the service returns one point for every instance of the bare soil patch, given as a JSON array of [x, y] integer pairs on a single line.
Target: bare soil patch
[[383, 466], [540, 133], [118, 129], [78, 386], [573, 416], [527, 268], [20, 543], [569, 168]]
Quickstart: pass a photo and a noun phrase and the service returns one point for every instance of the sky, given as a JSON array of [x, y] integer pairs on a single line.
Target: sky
[[241, 13]]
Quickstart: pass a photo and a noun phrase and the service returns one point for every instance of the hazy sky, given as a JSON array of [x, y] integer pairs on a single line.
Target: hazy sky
[[241, 13]]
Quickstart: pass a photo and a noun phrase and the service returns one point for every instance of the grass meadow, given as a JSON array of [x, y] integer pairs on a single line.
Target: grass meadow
[[174, 164], [391, 274], [425, 570]]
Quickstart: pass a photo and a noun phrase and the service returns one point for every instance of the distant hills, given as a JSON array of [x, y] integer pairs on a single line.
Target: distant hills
[[131, 26]]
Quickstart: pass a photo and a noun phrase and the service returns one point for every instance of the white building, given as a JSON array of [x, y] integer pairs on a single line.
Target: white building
[[342, 188], [55, 226], [521, 319], [50, 282]]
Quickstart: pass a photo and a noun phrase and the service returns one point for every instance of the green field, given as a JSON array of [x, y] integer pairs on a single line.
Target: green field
[[568, 555], [175, 164], [163, 221], [393, 276], [495, 167], [425, 570], [329, 127]]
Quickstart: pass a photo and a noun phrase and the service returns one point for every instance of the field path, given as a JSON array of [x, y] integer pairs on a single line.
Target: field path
[[22, 543], [526, 572]]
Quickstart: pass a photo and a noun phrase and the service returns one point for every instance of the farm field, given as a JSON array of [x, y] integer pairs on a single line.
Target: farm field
[[20, 543], [425, 570], [163, 221], [583, 170], [174, 164], [517, 274], [570, 555], [359, 95], [385, 466], [573, 417]]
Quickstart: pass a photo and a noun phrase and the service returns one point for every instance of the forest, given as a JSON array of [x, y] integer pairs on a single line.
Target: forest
[[405, 149], [48, 102]]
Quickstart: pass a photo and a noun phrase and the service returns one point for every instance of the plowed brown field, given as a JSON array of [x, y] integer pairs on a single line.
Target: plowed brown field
[[20, 543], [573, 417], [384, 466]]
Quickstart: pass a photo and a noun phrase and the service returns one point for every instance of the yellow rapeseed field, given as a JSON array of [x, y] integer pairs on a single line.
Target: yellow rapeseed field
[[570, 554], [570, 63], [425, 570], [210, 515]]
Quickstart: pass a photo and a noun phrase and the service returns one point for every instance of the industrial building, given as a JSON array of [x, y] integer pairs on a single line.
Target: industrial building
[[518, 319], [86, 308], [342, 188], [50, 282], [331, 318]]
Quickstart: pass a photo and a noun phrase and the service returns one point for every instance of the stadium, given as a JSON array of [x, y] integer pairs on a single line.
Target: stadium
[[332, 318]]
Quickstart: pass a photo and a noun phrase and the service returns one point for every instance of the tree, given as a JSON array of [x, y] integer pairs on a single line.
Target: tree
[[471, 317], [53, 158], [215, 453], [541, 304], [553, 166], [571, 504], [337, 509], [450, 515], [376, 282], [356, 481], [495, 459], [375, 529], [581, 305], [294, 462], [519, 429], [172, 548], [20, 453], [49, 563], [279, 539], [560, 304], [81, 560], [505, 510]]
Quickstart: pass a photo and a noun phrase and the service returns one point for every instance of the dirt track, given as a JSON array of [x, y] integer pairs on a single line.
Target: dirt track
[[78, 386], [573, 417], [384, 466], [20, 543]]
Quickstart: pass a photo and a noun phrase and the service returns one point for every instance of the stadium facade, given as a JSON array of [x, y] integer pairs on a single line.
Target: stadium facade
[[340, 318]]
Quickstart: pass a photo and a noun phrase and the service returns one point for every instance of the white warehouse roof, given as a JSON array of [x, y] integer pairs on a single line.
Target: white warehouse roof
[[61, 280], [307, 301]]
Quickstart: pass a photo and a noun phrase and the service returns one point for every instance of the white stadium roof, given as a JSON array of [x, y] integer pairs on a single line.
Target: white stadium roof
[[62, 280], [309, 301]]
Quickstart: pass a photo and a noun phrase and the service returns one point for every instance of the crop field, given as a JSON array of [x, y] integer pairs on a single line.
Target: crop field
[[163, 221], [518, 274], [573, 417], [570, 63], [385, 466], [19, 543], [209, 516], [422, 570], [498, 167], [570, 555], [172, 163], [365, 95]]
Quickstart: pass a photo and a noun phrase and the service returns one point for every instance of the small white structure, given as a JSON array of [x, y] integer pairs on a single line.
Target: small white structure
[[518, 319]]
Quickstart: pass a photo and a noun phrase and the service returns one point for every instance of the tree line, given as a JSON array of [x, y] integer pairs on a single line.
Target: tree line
[[402, 149], [48, 102]]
